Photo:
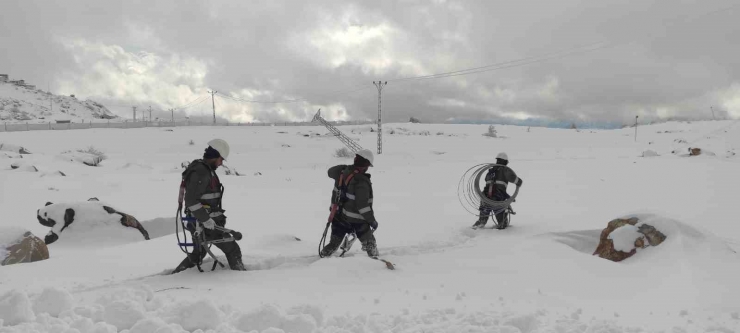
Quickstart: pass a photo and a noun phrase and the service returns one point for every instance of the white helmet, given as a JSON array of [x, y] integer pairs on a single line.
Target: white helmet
[[366, 154], [502, 156], [220, 146]]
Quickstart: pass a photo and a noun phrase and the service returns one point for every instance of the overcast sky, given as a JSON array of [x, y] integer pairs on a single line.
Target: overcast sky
[[649, 58]]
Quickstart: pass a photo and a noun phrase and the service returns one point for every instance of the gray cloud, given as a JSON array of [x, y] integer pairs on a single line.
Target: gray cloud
[[664, 59]]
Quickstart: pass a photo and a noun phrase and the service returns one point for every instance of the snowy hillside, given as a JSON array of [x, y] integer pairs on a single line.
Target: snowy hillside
[[22, 104], [537, 276]]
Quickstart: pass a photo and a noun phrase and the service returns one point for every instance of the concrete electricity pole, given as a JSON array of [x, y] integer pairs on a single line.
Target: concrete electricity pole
[[51, 98], [134, 113], [380, 86], [213, 102], [636, 128], [150, 113]]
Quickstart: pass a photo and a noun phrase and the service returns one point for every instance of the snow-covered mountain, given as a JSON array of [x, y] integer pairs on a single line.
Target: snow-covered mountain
[[25, 104]]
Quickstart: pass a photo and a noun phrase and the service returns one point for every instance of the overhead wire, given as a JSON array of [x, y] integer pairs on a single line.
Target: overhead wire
[[536, 59], [342, 92], [468, 71]]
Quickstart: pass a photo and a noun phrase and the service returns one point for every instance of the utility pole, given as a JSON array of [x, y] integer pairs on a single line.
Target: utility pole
[[51, 98], [150, 113], [636, 128], [380, 86], [213, 101], [134, 113], [173, 115], [712, 108]]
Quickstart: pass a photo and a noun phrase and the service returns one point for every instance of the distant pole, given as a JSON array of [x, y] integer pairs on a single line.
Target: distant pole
[[173, 116], [213, 102], [134, 113], [712, 108], [150, 113], [380, 86], [636, 128]]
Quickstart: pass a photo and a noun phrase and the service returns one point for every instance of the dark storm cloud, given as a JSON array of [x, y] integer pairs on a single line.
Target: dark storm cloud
[[662, 59]]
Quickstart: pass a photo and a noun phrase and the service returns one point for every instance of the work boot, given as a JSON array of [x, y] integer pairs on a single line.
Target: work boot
[[370, 247], [481, 222], [502, 221], [236, 264], [185, 264], [333, 245]]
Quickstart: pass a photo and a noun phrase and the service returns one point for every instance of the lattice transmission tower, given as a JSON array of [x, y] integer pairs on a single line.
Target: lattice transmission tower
[[351, 144]]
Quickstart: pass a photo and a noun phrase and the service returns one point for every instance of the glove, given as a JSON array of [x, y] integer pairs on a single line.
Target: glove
[[210, 224], [374, 225]]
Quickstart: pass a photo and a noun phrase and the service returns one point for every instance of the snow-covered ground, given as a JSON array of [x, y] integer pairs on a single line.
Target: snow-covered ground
[[23, 104], [537, 276]]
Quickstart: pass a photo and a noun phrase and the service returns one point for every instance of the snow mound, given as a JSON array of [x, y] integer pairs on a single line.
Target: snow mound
[[164, 314], [81, 224], [201, 314], [15, 308], [13, 148], [53, 301], [683, 241], [650, 153], [80, 157], [22, 166]]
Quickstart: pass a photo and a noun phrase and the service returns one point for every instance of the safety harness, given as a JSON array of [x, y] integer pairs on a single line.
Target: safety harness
[[338, 201], [188, 222]]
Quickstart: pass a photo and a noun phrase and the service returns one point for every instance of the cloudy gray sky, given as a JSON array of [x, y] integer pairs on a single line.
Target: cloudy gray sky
[[573, 60]]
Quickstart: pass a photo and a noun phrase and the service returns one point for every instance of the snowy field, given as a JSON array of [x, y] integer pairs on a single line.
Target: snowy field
[[537, 276]]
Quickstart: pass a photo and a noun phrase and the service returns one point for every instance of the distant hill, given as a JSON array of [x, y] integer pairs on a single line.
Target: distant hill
[[25, 104]]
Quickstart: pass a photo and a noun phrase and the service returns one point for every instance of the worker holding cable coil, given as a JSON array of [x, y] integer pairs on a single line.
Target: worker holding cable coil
[[497, 178]]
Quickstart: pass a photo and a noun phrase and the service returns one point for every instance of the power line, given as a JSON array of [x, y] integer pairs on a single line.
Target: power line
[[297, 100], [191, 103], [507, 64], [535, 59]]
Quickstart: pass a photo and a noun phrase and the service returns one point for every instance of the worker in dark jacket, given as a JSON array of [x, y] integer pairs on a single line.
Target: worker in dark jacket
[[203, 192], [497, 178], [355, 212]]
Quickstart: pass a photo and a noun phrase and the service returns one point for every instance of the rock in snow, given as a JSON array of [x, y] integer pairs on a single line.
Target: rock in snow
[[622, 237], [20, 246]]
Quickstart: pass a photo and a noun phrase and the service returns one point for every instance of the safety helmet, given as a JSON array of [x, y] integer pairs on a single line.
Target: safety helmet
[[220, 146], [502, 156], [366, 154]]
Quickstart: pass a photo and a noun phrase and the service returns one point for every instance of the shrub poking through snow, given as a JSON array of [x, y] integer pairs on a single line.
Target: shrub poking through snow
[[100, 156], [81, 157], [230, 172], [491, 132], [94, 151], [344, 153], [191, 143]]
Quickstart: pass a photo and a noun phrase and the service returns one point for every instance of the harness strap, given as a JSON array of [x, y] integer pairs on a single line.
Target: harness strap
[[343, 183]]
